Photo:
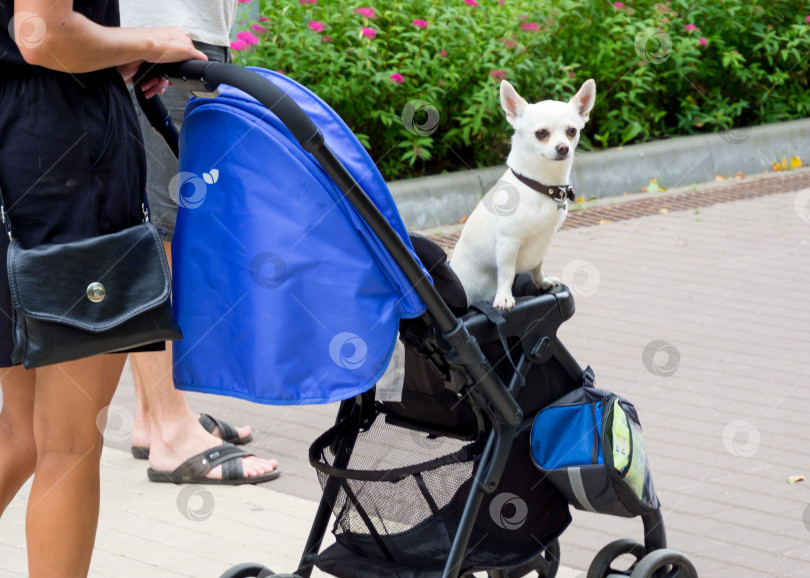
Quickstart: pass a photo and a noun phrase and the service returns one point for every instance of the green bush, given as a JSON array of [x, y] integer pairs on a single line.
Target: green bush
[[662, 69]]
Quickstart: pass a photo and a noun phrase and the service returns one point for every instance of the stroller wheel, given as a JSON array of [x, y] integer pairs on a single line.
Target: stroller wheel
[[601, 567], [544, 566], [249, 571], [664, 564]]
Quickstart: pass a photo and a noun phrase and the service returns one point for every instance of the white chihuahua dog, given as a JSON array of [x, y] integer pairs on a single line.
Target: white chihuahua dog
[[510, 230]]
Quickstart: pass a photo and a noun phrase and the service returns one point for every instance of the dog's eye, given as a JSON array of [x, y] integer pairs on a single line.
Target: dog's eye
[[571, 132], [541, 134]]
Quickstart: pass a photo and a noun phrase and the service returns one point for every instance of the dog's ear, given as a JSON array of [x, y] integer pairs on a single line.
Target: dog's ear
[[512, 103], [585, 98]]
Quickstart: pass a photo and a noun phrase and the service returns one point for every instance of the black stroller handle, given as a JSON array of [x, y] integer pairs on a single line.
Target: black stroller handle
[[204, 76], [160, 118]]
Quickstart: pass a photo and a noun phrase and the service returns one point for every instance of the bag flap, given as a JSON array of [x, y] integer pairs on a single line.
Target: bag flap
[[127, 270], [569, 431]]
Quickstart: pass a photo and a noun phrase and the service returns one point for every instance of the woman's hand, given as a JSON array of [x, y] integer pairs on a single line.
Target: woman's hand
[[171, 44], [151, 86]]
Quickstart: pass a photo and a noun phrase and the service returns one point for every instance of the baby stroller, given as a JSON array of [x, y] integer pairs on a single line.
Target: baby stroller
[[472, 465]]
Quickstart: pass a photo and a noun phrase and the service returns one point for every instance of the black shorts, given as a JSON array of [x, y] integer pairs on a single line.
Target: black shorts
[[71, 163]]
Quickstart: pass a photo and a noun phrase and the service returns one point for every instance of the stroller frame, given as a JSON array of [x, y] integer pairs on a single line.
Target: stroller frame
[[485, 389]]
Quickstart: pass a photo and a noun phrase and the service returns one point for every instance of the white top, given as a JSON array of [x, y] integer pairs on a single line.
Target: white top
[[206, 21]]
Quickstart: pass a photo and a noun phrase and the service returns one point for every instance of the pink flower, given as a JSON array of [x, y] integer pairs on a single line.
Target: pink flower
[[703, 41], [326, 38], [420, 23], [264, 19], [238, 45], [367, 12], [315, 26], [244, 1], [259, 28], [497, 74], [247, 37], [690, 27], [442, 53], [281, 72], [471, 2], [501, 2], [807, 18], [309, 1], [618, 5], [530, 26], [368, 32], [572, 75], [398, 78]]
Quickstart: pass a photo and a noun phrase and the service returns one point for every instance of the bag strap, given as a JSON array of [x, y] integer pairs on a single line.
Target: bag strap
[[588, 377], [7, 220], [4, 217], [496, 317]]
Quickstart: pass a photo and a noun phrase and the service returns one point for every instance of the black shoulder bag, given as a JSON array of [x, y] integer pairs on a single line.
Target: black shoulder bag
[[99, 295]]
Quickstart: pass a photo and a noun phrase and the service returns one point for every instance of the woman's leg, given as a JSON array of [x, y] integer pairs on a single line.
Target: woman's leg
[[70, 411], [18, 453]]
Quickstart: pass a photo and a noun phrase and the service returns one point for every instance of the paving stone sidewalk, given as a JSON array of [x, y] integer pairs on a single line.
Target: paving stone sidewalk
[[700, 317]]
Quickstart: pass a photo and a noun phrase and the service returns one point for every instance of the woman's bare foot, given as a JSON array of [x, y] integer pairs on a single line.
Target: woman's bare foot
[[141, 436], [173, 448]]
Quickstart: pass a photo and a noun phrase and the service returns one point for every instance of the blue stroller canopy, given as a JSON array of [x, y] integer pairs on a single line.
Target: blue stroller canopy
[[284, 293]]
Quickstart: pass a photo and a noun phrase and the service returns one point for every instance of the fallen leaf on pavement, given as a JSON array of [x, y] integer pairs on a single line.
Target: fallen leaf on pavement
[[793, 479]]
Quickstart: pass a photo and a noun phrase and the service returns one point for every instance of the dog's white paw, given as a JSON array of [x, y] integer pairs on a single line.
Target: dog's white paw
[[504, 302], [548, 282]]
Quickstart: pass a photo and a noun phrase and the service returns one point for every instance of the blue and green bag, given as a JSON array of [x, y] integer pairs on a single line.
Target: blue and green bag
[[590, 445]]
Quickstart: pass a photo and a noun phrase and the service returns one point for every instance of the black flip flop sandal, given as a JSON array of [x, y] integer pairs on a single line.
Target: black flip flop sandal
[[227, 432], [193, 470]]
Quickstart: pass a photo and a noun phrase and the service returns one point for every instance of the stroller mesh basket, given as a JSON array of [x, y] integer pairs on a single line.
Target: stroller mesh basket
[[401, 495]]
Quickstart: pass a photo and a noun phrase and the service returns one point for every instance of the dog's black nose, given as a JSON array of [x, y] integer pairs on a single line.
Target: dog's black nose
[[562, 150]]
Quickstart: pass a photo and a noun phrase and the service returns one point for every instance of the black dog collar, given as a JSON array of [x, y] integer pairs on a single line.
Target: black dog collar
[[559, 193]]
